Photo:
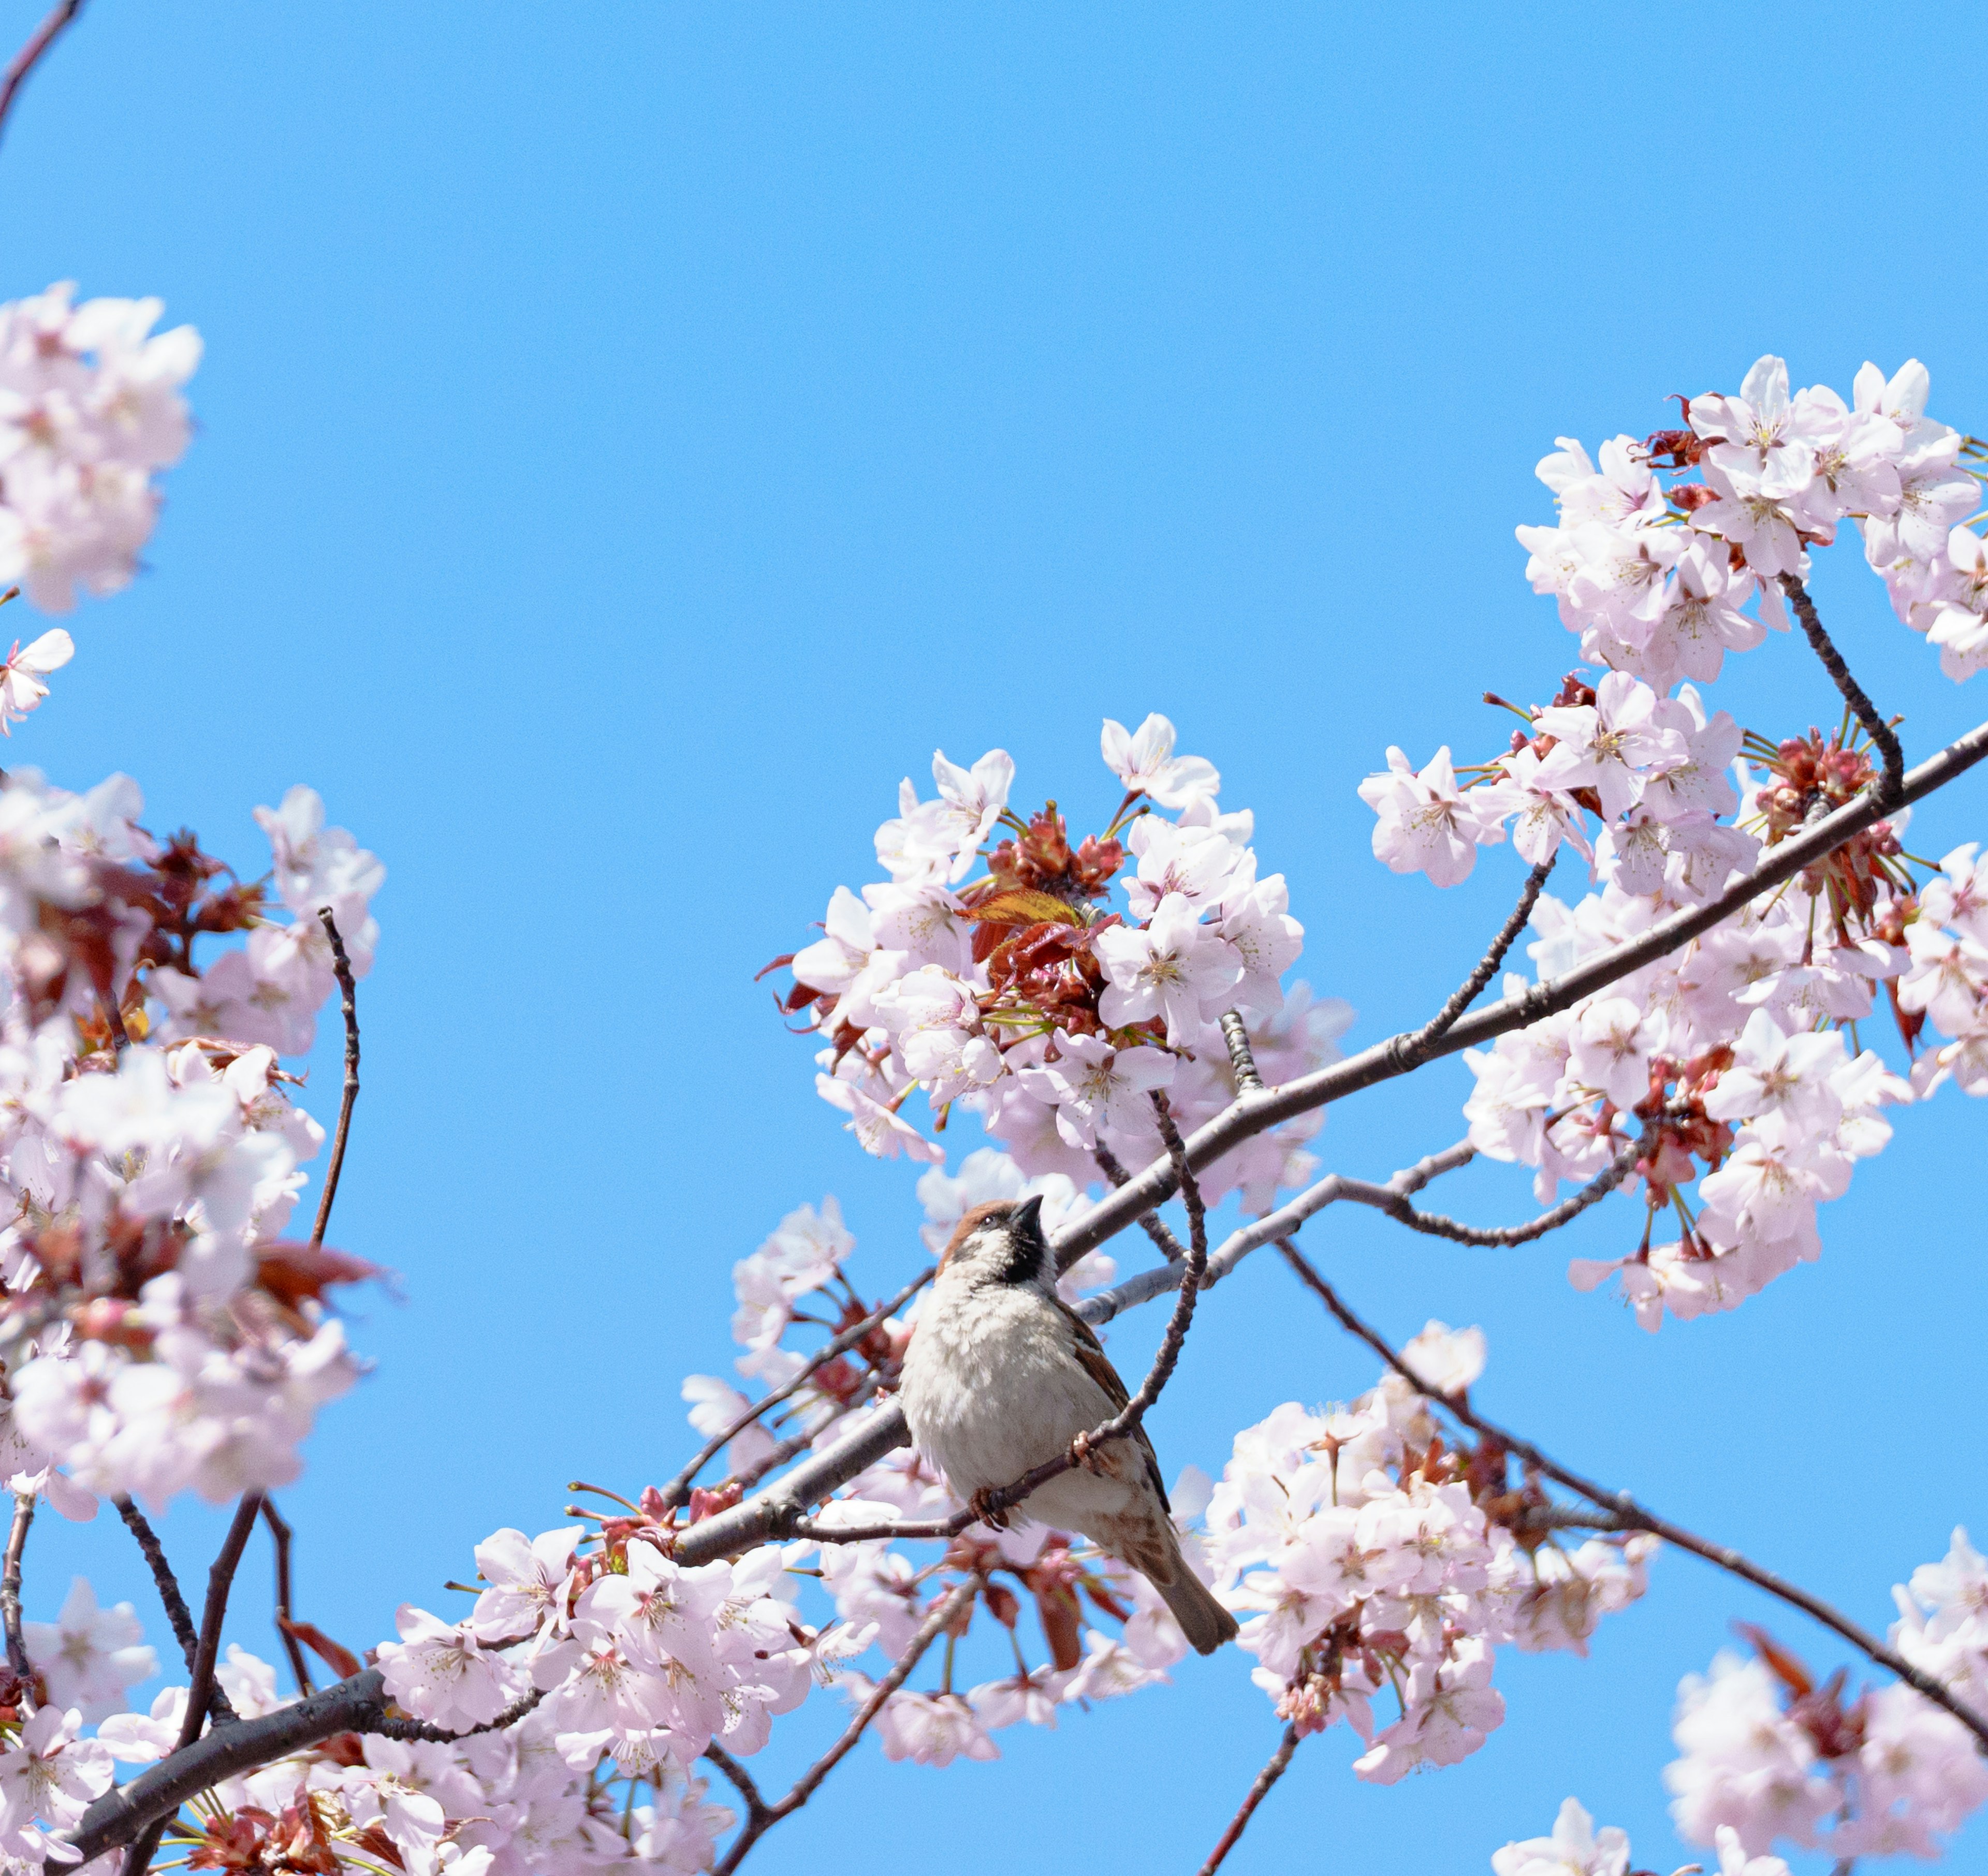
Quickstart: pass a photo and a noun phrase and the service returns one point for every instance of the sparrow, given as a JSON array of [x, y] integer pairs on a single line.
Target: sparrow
[[1001, 1375]]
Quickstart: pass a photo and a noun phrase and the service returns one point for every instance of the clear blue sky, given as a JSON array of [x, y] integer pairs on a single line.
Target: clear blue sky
[[634, 435]]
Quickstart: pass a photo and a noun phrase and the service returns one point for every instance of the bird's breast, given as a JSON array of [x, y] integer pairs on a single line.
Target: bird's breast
[[992, 1386]]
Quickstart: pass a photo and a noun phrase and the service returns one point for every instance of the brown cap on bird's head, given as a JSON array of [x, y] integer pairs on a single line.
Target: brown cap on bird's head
[[1023, 1217]]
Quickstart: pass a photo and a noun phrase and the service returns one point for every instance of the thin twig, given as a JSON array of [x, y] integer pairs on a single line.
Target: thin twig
[[1468, 991], [10, 1582], [45, 35], [393, 1727], [1150, 1222], [1257, 1793], [678, 1491], [1634, 1517], [220, 1581], [761, 1817], [218, 1705], [349, 1003], [1892, 788], [280, 1535], [1433, 1224]]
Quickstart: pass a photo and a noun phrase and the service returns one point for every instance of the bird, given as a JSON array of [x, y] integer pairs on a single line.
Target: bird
[[1001, 1375]]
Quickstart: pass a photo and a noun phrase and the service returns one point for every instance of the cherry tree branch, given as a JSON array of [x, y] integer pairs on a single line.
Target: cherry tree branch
[[678, 1491], [1257, 1793], [1880, 732], [770, 1513], [348, 1004], [761, 1817], [10, 1582], [1633, 1517], [218, 1705], [26, 59], [357, 1704]]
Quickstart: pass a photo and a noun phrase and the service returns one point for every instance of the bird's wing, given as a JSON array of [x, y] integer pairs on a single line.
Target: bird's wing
[[1091, 1355]]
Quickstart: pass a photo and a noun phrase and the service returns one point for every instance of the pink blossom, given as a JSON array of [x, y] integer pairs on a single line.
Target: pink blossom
[[1426, 824], [1145, 762], [440, 1672], [1175, 967]]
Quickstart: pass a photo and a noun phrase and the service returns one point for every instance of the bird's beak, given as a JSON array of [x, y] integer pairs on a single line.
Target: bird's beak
[[1027, 1215]]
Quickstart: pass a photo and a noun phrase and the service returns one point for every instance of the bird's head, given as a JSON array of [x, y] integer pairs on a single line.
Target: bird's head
[[1003, 1242]]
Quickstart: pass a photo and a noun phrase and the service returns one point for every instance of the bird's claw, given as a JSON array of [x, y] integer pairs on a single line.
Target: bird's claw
[[984, 1509], [1082, 1453]]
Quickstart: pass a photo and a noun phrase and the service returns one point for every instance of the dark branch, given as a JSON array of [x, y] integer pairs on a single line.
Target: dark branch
[[727, 1533], [1257, 1793], [1150, 1222], [349, 1003], [1468, 991], [1886, 739], [10, 1582], [218, 1705], [25, 59], [761, 1817], [1633, 1517], [678, 1491]]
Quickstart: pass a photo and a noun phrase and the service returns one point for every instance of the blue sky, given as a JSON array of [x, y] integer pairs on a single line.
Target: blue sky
[[634, 436]]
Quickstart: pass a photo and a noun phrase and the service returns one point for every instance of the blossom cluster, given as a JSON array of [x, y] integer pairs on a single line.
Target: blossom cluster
[[1016, 995], [506, 1803], [1372, 1558], [158, 1331], [90, 410], [1730, 1076], [1770, 1753]]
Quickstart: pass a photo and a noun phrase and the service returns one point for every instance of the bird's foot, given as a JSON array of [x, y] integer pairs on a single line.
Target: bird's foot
[[1083, 1454], [982, 1506]]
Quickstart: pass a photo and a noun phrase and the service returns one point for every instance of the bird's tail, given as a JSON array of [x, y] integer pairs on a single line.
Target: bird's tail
[[1203, 1620]]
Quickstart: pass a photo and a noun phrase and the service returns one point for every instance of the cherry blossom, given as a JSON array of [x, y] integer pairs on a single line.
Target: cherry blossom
[[1145, 761], [89, 1655]]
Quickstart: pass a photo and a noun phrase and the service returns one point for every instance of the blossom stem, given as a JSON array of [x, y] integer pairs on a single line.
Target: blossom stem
[[1636, 1517]]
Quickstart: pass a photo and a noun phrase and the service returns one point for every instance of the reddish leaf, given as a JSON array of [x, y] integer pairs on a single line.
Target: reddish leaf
[[341, 1661]]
